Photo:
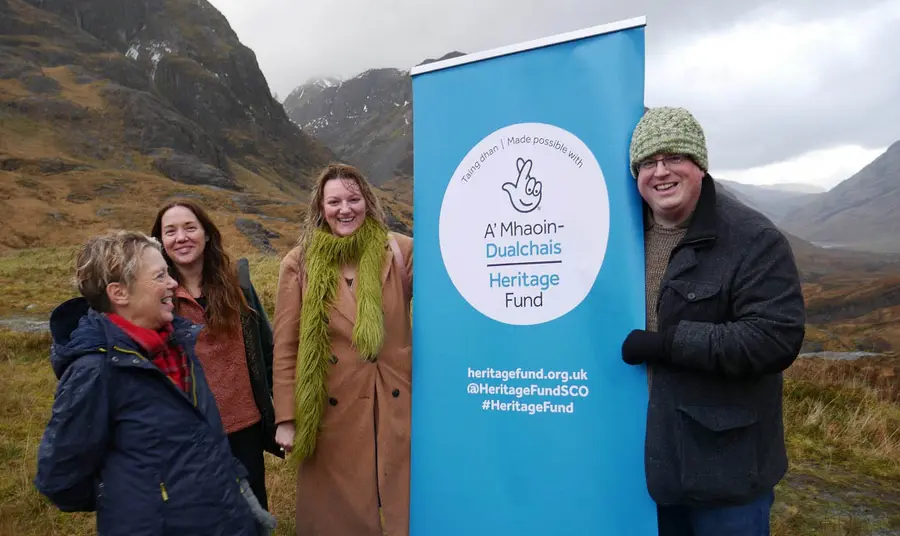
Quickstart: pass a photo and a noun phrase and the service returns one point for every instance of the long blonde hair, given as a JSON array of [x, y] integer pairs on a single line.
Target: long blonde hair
[[315, 217]]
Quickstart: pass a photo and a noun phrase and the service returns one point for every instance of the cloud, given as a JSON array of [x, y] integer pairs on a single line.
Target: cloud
[[775, 86], [822, 167], [770, 80], [298, 39]]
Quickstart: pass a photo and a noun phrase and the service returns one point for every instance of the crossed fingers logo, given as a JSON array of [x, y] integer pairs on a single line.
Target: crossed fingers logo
[[526, 192]]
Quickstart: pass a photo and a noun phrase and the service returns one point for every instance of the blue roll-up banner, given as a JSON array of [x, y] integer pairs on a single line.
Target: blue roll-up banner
[[529, 274]]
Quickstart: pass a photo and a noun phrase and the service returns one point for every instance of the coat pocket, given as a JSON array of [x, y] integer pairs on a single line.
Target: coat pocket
[[718, 456], [691, 300]]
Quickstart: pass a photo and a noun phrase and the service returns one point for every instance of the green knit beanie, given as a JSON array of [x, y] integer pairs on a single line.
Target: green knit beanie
[[668, 130]]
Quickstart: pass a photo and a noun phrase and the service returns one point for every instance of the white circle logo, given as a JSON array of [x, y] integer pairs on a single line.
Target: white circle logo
[[524, 224]]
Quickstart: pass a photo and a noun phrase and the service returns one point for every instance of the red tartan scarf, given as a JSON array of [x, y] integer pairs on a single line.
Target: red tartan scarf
[[169, 358]]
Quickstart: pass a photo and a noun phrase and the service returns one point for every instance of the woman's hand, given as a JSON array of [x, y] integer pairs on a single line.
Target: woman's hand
[[284, 435]]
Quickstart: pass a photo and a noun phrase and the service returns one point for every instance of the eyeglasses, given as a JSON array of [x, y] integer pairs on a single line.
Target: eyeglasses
[[668, 161]]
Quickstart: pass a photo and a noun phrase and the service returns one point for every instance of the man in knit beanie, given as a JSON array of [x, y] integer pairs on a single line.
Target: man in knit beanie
[[725, 317]]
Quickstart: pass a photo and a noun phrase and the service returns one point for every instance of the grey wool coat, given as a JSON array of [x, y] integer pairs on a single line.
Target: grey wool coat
[[731, 307]]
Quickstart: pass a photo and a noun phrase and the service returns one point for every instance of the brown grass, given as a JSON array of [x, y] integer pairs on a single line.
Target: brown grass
[[25, 138], [843, 434], [843, 440], [878, 375], [35, 292], [12, 89], [87, 95], [39, 278], [849, 426], [264, 186], [400, 188], [841, 418], [63, 210], [877, 331]]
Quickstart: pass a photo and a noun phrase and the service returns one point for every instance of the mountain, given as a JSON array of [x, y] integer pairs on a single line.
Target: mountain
[[775, 201], [107, 107], [816, 263], [862, 212], [796, 187], [852, 297], [366, 120], [173, 69]]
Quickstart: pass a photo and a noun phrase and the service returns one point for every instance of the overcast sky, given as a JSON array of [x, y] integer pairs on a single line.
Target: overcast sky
[[786, 90]]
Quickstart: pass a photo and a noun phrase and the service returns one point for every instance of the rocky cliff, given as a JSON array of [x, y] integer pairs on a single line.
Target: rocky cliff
[[366, 120], [109, 106], [188, 93]]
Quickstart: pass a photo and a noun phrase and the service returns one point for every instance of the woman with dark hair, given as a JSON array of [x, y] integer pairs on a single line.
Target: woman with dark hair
[[235, 346]]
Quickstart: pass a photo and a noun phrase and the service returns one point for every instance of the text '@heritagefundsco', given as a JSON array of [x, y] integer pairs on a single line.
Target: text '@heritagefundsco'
[[528, 391]]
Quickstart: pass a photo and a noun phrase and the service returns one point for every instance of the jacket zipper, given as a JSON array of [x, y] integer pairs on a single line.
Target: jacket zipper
[[168, 381], [162, 485]]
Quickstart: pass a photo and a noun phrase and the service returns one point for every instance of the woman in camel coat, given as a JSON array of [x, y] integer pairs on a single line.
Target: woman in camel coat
[[342, 363]]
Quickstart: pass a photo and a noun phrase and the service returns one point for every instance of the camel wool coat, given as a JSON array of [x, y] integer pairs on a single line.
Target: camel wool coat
[[363, 450]]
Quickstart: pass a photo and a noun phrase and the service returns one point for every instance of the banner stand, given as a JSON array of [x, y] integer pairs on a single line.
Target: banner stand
[[529, 273]]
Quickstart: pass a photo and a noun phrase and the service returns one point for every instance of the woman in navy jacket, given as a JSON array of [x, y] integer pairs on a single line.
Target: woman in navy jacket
[[134, 434]]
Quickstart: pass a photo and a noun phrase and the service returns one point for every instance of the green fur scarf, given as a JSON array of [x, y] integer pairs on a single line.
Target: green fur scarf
[[324, 256]]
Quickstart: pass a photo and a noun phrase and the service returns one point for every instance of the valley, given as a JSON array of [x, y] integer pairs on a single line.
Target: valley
[[106, 113]]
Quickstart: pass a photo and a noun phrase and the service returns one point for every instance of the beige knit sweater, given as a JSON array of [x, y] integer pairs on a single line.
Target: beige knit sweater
[[658, 245]]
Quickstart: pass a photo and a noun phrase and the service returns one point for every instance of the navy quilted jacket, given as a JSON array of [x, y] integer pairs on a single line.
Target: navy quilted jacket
[[125, 442]]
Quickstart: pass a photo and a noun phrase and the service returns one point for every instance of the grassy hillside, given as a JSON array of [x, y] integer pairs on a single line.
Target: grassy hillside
[[843, 441], [845, 313], [36, 292], [842, 419], [51, 198]]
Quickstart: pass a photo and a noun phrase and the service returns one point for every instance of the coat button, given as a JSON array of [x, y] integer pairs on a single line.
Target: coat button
[[396, 393], [691, 295], [332, 401]]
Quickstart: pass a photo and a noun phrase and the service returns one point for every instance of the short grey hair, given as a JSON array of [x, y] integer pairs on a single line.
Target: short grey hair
[[113, 257]]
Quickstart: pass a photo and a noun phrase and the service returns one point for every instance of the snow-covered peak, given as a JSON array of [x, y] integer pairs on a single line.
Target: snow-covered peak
[[322, 83], [328, 82]]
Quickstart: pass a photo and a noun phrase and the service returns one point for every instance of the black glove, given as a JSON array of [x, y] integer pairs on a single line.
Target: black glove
[[642, 346]]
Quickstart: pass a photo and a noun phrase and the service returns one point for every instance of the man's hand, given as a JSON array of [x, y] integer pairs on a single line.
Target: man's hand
[[642, 346]]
